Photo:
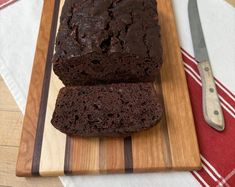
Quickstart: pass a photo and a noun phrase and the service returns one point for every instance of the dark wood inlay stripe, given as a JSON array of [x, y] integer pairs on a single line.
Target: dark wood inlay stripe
[[67, 158], [45, 89], [128, 155]]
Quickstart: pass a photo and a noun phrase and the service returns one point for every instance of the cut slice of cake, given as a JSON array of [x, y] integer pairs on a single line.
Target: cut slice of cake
[[107, 110]]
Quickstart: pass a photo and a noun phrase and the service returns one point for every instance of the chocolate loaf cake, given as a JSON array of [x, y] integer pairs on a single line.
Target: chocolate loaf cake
[[108, 41], [106, 110]]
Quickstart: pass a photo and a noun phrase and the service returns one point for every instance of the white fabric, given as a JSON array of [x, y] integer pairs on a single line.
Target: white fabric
[[19, 25], [17, 47], [163, 179]]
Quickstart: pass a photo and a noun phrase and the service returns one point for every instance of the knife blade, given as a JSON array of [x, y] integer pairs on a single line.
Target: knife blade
[[211, 106]]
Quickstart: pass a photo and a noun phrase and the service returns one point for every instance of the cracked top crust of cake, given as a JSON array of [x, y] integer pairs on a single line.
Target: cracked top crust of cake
[[98, 39]]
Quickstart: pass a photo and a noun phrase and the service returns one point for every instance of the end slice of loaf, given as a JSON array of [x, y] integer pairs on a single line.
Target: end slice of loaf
[[107, 110]]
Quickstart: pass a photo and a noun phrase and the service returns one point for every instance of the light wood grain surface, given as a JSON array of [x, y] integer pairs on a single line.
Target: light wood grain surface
[[231, 2], [10, 129], [55, 164], [35, 91], [171, 145], [178, 110]]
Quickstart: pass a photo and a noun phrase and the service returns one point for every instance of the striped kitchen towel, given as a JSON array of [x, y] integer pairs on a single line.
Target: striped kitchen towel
[[4, 3], [217, 149]]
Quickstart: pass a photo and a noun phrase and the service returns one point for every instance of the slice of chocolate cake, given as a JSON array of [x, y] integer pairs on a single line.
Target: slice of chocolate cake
[[108, 41], [107, 110]]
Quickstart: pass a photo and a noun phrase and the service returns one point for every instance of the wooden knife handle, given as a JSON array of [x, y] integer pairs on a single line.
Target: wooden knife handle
[[211, 105]]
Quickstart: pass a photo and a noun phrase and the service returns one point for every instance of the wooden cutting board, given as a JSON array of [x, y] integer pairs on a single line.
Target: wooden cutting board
[[171, 145]]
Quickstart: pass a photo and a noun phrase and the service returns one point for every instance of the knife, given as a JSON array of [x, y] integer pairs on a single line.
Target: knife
[[211, 106]]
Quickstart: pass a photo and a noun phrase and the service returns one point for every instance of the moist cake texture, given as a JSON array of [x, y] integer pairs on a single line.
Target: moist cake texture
[[108, 41], [107, 110]]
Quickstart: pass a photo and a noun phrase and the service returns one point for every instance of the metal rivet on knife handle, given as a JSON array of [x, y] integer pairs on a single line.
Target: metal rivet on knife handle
[[207, 69], [212, 90], [216, 112]]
